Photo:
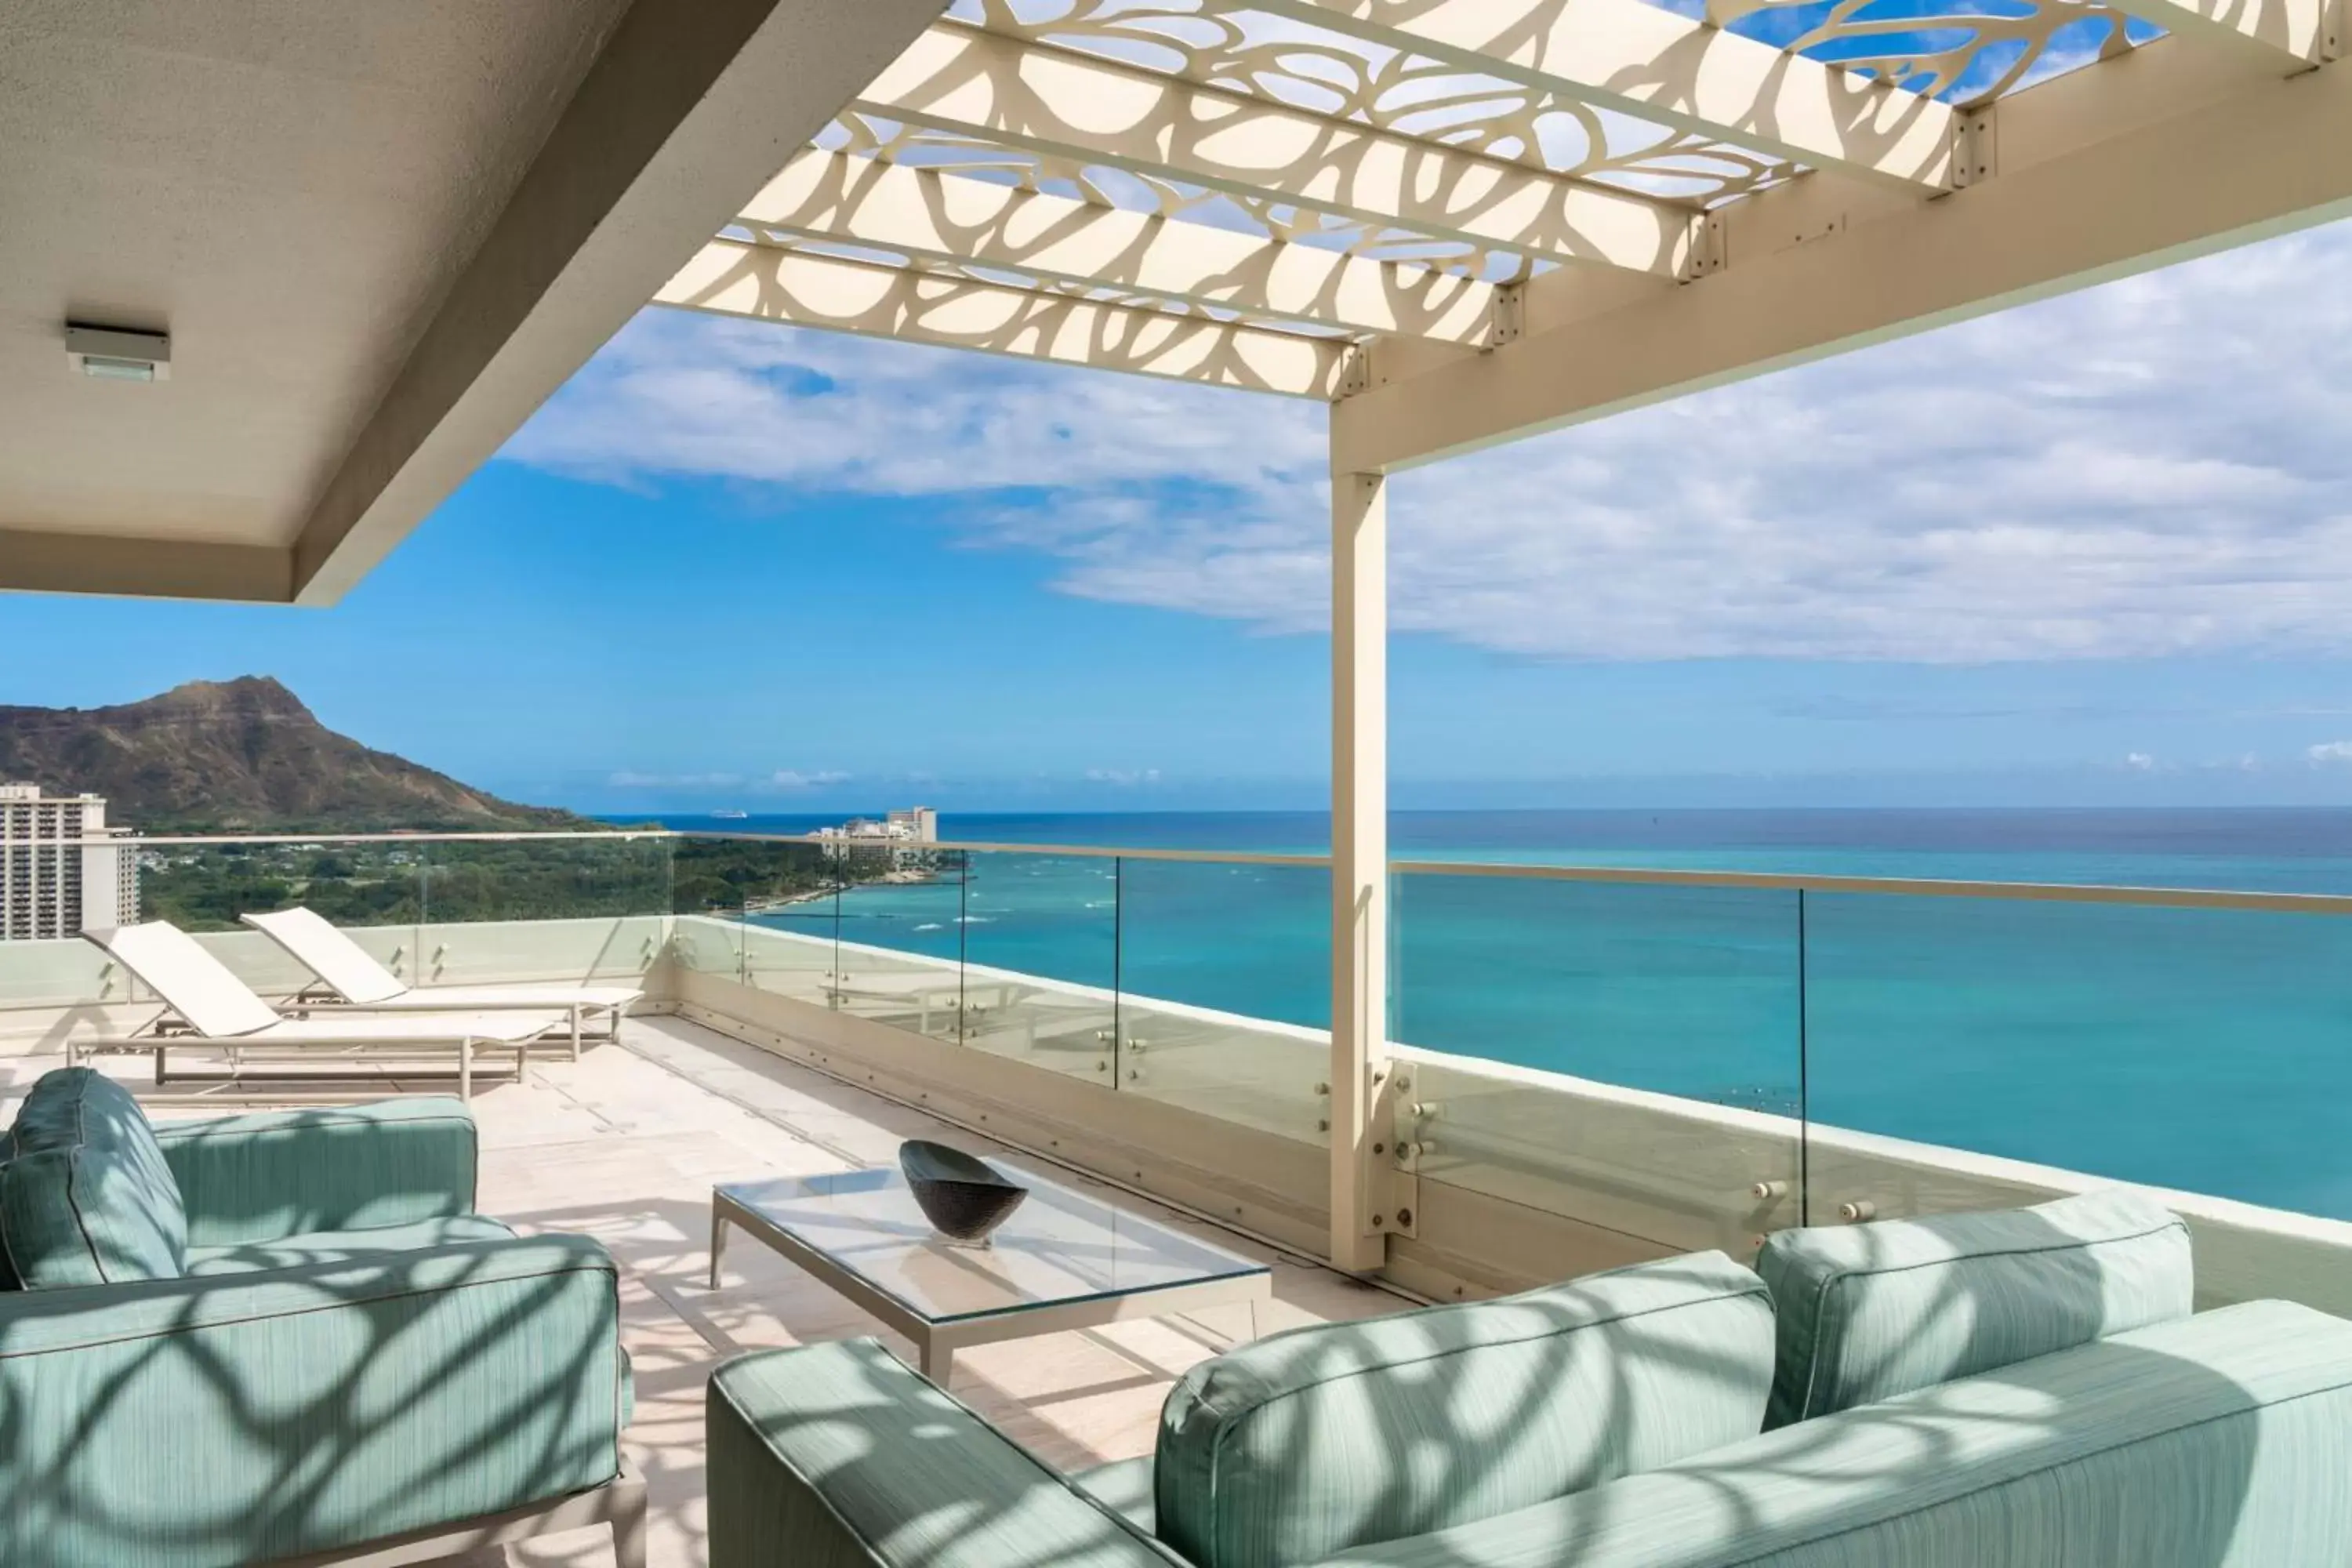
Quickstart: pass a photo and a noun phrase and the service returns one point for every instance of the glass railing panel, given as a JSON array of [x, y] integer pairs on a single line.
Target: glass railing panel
[[549, 909], [58, 972], [1625, 1055], [708, 942], [1041, 958], [2196, 1048], [901, 932], [782, 902], [1224, 990], [373, 891]]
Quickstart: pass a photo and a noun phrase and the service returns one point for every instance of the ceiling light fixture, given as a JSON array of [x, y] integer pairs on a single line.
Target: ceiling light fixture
[[118, 354]]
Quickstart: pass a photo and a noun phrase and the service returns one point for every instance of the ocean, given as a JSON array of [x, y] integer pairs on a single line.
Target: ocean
[[2209, 1050]]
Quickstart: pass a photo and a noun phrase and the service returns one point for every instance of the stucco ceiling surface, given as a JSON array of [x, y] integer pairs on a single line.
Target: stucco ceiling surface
[[288, 187]]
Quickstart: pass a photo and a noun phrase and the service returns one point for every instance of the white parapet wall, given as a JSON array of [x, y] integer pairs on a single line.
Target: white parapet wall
[[1523, 1174]]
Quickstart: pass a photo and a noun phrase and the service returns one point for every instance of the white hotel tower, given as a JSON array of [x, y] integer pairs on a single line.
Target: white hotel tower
[[62, 869]]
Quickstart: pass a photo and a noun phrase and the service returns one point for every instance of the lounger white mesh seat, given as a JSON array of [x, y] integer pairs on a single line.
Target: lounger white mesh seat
[[353, 974], [210, 1008]]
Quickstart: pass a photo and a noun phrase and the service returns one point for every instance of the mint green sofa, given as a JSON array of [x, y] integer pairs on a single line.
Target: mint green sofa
[[1988, 1391], [288, 1337]]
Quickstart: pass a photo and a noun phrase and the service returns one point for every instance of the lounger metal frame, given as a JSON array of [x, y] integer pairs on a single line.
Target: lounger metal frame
[[397, 996], [246, 1026]]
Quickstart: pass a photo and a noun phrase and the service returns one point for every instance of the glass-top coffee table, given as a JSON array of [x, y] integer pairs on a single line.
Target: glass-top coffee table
[[1064, 1260]]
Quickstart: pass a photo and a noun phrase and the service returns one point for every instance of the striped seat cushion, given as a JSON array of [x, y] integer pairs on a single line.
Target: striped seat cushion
[[2218, 1441], [316, 1247], [86, 1197], [1868, 1312], [1323, 1439]]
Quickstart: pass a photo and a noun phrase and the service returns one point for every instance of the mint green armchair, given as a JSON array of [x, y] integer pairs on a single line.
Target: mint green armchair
[[289, 1339]]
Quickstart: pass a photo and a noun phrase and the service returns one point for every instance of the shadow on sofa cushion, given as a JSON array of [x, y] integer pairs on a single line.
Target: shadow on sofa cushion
[[1868, 1312], [837, 1455], [86, 1197], [343, 1246], [2216, 1441], [193, 1422], [1124, 1487], [1322, 1439]]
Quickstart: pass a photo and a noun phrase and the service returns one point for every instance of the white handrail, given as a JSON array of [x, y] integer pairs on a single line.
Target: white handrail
[[1627, 876]]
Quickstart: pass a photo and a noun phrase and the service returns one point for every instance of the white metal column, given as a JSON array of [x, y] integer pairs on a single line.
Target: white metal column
[[1359, 845]]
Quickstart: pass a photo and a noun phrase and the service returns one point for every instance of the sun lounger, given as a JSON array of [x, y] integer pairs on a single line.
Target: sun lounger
[[210, 1008], [351, 973]]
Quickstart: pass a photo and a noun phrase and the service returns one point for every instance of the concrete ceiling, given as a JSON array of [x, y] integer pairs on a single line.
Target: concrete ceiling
[[362, 224], [289, 187]]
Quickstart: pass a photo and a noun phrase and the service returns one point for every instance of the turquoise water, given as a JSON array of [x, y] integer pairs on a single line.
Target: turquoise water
[[2200, 1049]]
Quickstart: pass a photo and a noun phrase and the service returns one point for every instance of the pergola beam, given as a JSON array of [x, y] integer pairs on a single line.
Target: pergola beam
[[2282, 36], [941, 217], [1065, 105], [1648, 61], [2230, 171], [803, 289]]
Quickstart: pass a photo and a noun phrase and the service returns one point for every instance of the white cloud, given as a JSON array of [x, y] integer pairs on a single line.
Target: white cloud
[[781, 779], [2159, 466], [2331, 752], [626, 779], [2140, 761], [1127, 778], [680, 394]]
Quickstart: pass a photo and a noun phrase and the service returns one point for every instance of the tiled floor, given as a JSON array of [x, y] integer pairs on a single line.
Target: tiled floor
[[626, 1144]]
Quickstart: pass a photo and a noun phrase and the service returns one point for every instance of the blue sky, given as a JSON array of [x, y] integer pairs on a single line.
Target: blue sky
[[2096, 551]]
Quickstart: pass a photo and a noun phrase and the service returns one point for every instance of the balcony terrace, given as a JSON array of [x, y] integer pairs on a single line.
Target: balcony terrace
[[382, 237]]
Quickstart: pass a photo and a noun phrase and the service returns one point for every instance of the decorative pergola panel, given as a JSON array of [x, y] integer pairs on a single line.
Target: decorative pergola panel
[[944, 220], [1102, 115], [1460, 220], [902, 298]]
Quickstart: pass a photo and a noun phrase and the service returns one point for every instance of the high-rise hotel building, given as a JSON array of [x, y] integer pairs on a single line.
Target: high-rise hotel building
[[62, 869]]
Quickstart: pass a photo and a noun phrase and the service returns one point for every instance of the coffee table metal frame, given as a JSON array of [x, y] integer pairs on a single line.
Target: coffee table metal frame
[[936, 1341]]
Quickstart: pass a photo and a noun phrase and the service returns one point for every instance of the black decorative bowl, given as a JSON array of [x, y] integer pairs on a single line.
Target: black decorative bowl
[[965, 1197]]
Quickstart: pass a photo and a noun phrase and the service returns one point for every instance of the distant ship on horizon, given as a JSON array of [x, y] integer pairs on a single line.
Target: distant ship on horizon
[[730, 816]]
